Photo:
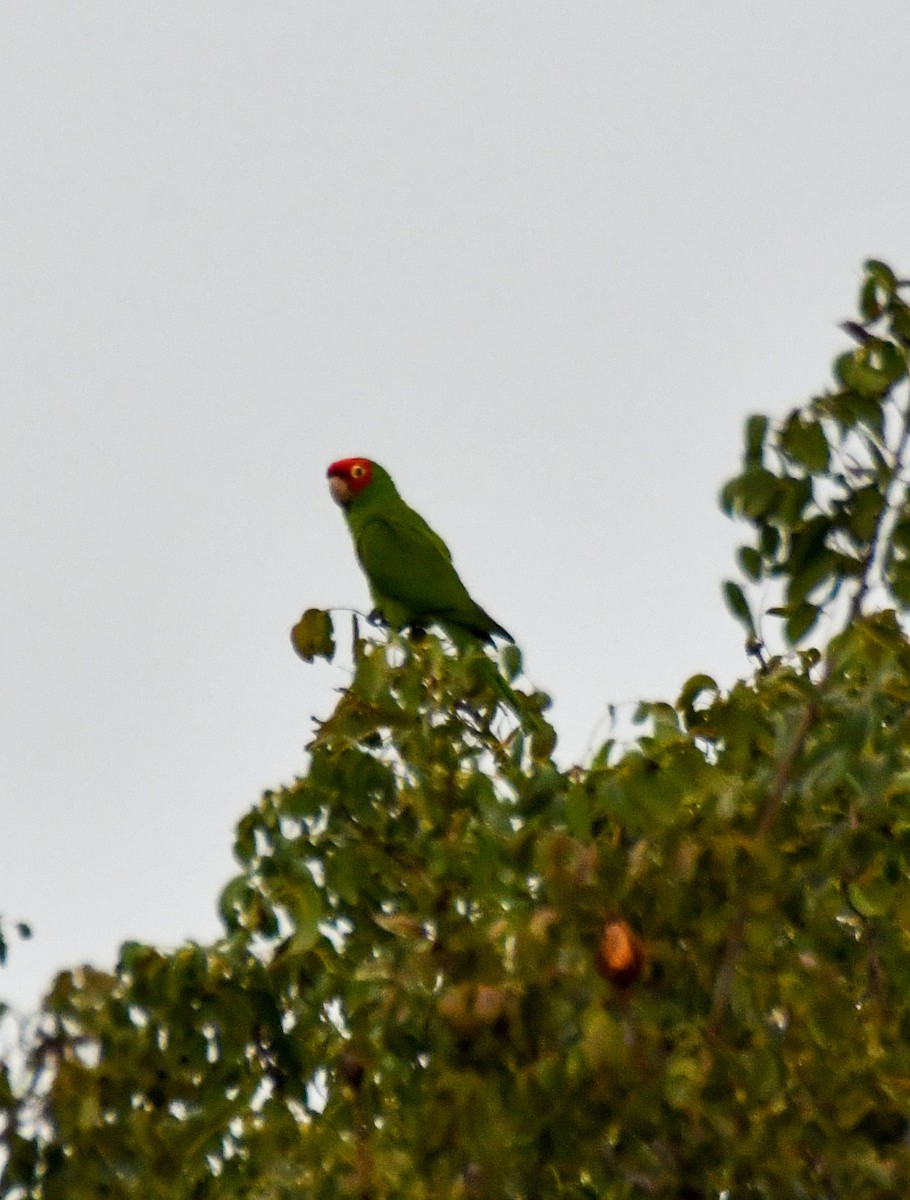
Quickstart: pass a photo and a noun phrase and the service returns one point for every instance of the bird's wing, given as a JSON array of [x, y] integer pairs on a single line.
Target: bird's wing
[[409, 563], [416, 522]]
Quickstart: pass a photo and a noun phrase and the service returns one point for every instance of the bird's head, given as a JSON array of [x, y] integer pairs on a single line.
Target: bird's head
[[349, 477]]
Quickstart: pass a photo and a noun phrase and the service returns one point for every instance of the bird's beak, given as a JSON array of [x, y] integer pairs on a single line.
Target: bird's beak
[[341, 493]]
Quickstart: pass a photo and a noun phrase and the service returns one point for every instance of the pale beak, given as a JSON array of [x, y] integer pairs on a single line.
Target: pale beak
[[341, 493]]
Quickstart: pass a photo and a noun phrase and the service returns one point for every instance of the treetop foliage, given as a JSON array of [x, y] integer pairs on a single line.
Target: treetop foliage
[[451, 968]]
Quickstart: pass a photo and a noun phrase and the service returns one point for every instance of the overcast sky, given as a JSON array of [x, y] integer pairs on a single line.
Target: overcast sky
[[539, 260]]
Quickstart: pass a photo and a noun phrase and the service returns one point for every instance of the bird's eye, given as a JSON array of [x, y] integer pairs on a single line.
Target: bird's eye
[[358, 472]]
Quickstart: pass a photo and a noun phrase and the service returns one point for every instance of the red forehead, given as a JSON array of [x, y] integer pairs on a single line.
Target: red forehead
[[357, 479]]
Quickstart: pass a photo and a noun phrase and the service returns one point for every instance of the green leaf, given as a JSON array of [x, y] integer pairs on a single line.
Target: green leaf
[[233, 902], [510, 656], [794, 499], [302, 800], [899, 582], [872, 900], [539, 791], [245, 837], [22, 1159], [865, 372], [305, 903], [891, 361], [543, 741], [800, 622], [849, 409], [769, 541], [881, 273], [807, 540], [751, 562], [756, 493], [900, 534], [756, 430], [312, 637], [578, 812], [693, 688], [683, 1081], [862, 511], [738, 605], [900, 321], [803, 440], [729, 496], [602, 1041], [872, 301], [345, 874], [815, 571]]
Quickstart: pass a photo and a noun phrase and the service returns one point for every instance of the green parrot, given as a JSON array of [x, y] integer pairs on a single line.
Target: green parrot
[[408, 566]]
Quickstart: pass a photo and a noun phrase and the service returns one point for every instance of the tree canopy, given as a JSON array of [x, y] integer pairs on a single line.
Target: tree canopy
[[451, 967]]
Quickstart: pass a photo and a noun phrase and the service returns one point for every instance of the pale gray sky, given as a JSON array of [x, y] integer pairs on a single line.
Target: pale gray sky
[[539, 260]]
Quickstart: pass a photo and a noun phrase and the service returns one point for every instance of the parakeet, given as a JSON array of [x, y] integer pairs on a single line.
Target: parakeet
[[408, 566]]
